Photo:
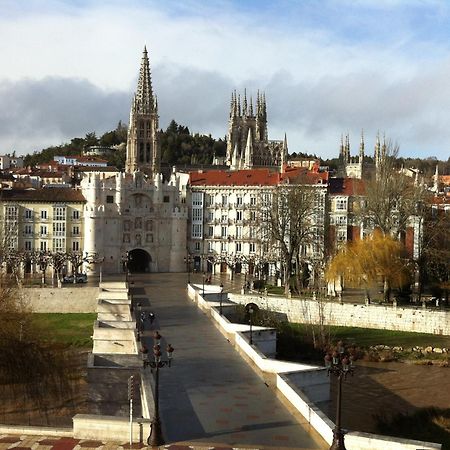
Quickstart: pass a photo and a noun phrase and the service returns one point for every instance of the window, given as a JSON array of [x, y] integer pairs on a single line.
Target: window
[[196, 214], [252, 233], [166, 199], [224, 218], [59, 228], [28, 245], [43, 214], [238, 215], [210, 231], [252, 215], [197, 199], [126, 238], [75, 246], [59, 213], [43, 246], [197, 246], [238, 247], [149, 225], [238, 232], [223, 247], [252, 247], [28, 214], [76, 231], [210, 246], [28, 229], [210, 216], [58, 245], [75, 214], [341, 204], [253, 201], [341, 220], [109, 199], [223, 232], [43, 230], [126, 225], [239, 201], [149, 238], [224, 200], [138, 222], [196, 230]]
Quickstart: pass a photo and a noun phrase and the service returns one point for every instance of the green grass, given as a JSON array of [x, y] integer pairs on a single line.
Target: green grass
[[66, 329], [366, 337]]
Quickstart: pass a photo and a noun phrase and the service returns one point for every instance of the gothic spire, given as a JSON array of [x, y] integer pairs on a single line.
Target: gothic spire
[[239, 105], [361, 146], [251, 107], [144, 93], [244, 104], [249, 149]]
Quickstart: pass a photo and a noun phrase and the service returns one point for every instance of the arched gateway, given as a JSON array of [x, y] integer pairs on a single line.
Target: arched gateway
[[139, 261]]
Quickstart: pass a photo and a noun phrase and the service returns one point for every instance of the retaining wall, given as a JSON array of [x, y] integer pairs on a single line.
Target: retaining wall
[[79, 299], [416, 319]]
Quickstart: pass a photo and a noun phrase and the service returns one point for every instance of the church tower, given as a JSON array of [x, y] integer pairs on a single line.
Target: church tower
[[143, 147]]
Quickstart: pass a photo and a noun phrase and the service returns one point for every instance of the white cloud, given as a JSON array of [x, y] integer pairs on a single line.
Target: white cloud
[[318, 82]]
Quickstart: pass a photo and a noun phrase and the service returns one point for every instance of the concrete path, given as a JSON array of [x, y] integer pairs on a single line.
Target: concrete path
[[210, 394]]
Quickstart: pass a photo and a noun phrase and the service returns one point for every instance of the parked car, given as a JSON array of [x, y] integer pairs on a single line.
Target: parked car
[[79, 278]]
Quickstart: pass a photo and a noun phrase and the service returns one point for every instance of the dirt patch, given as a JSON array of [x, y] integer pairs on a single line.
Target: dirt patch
[[16, 408], [389, 388]]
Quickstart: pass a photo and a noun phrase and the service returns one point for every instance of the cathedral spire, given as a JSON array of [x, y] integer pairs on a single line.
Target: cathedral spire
[[144, 93], [251, 107], [239, 105], [361, 147], [244, 104], [249, 150]]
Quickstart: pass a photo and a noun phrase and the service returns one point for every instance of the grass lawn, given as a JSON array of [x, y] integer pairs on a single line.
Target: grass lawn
[[366, 337], [295, 341], [68, 329]]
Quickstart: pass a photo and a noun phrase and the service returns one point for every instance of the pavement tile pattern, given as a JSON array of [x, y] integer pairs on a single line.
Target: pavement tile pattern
[[28, 442]]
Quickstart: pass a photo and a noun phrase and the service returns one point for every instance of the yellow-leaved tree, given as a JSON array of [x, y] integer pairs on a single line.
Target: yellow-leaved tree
[[366, 262]]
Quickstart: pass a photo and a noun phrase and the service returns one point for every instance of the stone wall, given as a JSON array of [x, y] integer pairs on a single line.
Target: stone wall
[[401, 318], [77, 299]]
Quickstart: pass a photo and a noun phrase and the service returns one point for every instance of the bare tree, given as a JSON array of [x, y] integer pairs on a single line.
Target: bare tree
[[391, 196], [287, 222]]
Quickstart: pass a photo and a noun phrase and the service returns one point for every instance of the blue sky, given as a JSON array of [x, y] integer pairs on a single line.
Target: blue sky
[[327, 67]]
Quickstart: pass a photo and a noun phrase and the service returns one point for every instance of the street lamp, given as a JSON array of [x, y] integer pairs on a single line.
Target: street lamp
[[221, 293], [203, 291], [187, 260], [340, 364], [156, 437], [251, 311]]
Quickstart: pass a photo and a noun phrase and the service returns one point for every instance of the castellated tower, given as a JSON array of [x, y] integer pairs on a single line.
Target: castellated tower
[[143, 150]]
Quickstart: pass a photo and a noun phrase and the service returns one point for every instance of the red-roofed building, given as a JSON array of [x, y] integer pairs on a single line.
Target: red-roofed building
[[227, 211]]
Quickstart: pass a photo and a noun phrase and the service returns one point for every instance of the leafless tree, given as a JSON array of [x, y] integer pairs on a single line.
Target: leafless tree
[[287, 222], [391, 196]]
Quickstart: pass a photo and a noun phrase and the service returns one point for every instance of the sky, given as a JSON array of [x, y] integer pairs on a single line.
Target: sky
[[327, 67]]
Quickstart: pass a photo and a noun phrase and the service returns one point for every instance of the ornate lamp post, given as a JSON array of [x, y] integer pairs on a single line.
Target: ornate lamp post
[[156, 437], [187, 260], [251, 311], [221, 293], [203, 290], [340, 364]]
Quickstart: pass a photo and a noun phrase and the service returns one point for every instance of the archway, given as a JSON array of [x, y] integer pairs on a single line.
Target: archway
[[139, 261]]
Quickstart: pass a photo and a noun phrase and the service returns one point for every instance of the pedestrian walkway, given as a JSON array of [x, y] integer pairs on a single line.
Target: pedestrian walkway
[[210, 394]]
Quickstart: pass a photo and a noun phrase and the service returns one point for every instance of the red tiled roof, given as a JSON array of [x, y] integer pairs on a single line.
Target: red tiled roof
[[255, 177], [347, 186], [42, 195]]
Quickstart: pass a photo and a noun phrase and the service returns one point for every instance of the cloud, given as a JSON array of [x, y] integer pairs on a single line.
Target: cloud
[[53, 110], [327, 67]]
